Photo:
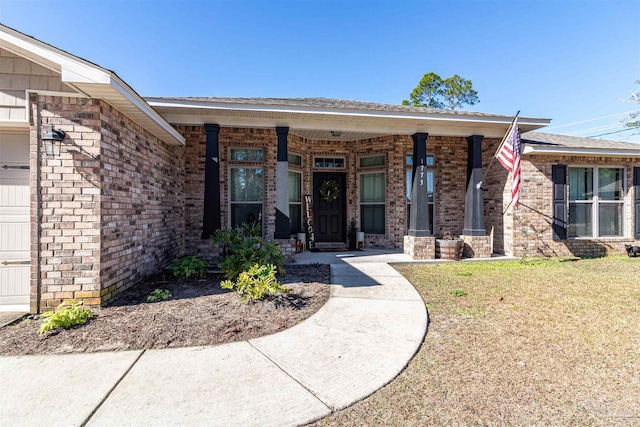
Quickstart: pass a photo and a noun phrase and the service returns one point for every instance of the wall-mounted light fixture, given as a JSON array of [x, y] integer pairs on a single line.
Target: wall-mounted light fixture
[[52, 141]]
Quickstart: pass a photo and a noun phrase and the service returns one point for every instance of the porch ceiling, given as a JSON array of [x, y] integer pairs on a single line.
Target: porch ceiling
[[353, 123]]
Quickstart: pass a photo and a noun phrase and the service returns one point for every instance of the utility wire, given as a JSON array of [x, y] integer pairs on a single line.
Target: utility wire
[[611, 133], [588, 120]]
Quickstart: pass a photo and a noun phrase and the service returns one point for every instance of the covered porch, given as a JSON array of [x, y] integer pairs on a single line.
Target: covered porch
[[402, 175]]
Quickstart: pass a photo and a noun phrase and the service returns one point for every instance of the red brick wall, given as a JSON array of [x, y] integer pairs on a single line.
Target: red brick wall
[[450, 157], [142, 206], [105, 213], [65, 213], [532, 222]]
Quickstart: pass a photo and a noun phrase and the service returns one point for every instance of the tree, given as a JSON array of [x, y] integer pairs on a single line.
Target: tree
[[428, 92], [458, 92], [434, 92]]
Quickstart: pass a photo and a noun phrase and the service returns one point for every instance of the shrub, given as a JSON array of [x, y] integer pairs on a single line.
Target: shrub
[[65, 316], [159, 295], [188, 267], [258, 282], [243, 248]]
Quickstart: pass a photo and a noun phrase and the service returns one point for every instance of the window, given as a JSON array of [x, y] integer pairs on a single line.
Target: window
[[294, 159], [328, 162], [430, 188], [295, 201], [246, 186], [373, 161], [596, 202], [246, 155], [372, 202]]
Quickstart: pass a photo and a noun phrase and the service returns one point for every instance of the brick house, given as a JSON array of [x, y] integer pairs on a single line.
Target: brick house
[[140, 181]]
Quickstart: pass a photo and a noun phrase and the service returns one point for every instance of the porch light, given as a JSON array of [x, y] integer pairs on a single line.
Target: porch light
[[52, 141]]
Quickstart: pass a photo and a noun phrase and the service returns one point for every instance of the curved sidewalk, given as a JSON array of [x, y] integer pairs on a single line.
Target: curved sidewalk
[[365, 335]]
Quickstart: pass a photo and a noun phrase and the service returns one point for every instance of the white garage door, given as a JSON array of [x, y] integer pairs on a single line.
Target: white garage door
[[14, 222]]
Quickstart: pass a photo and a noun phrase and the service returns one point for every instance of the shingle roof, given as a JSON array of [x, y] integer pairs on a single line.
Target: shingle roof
[[549, 140], [327, 103]]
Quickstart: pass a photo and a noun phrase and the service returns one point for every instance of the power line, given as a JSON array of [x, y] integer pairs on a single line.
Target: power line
[[610, 133], [589, 120]]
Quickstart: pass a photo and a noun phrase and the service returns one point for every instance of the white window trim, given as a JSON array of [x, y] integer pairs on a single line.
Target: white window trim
[[328, 156], [299, 172], [368, 168], [595, 202], [245, 165], [245, 162], [371, 171], [293, 165]]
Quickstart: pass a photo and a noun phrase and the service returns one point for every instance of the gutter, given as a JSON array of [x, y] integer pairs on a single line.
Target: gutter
[[570, 151], [163, 103]]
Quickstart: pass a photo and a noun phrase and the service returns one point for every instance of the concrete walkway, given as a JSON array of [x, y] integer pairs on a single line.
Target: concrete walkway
[[360, 340]]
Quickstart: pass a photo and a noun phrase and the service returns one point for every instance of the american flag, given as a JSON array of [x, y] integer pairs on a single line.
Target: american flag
[[509, 157]]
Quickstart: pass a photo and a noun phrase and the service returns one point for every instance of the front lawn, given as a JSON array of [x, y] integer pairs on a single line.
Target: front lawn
[[537, 342]]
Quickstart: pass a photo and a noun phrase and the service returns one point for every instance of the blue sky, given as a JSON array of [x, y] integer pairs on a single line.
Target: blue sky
[[571, 61]]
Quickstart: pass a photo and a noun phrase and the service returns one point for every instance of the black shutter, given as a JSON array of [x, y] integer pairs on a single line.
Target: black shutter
[[559, 177], [636, 192]]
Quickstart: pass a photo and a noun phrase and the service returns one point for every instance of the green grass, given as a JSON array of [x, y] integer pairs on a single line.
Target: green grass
[[533, 342]]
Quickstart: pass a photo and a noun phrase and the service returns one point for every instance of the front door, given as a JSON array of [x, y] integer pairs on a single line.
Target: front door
[[14, 222], [329, 210]]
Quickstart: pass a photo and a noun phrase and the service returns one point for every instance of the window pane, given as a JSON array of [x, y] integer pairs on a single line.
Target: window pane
[[367, 162], [610, 182], [580, 183], [295, 187], [580, 221], [249, 213], [246, 155], [610, 219], [430, 160], [326, 162], [372, 218], [246, 184], [294, 159], [295, 217], [372, 187]]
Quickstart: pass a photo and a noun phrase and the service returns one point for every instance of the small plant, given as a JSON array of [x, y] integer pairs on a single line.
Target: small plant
[[258, 282], [67, 315], [243, 248], [458, 293], [352, 229], [189, 267], [159, 295]]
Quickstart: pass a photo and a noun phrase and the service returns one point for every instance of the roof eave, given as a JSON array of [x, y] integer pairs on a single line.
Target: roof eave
[[571, 151], [87, 78], [257, 109]]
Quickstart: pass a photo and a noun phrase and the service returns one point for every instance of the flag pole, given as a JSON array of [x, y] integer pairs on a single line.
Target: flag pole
[[504, 139]]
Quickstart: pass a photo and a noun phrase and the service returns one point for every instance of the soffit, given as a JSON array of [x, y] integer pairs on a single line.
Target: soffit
[[369, 122]]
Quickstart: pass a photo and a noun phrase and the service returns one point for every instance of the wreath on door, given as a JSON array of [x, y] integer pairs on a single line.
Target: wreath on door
[[329, 190]]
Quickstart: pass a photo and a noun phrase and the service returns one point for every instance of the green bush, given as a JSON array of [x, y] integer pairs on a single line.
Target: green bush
[[65, 316], [258, 282], [243, 248], [188, 267], [159, 295]]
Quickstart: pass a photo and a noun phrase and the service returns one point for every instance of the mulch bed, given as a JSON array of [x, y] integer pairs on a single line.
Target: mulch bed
[[199, 313]]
